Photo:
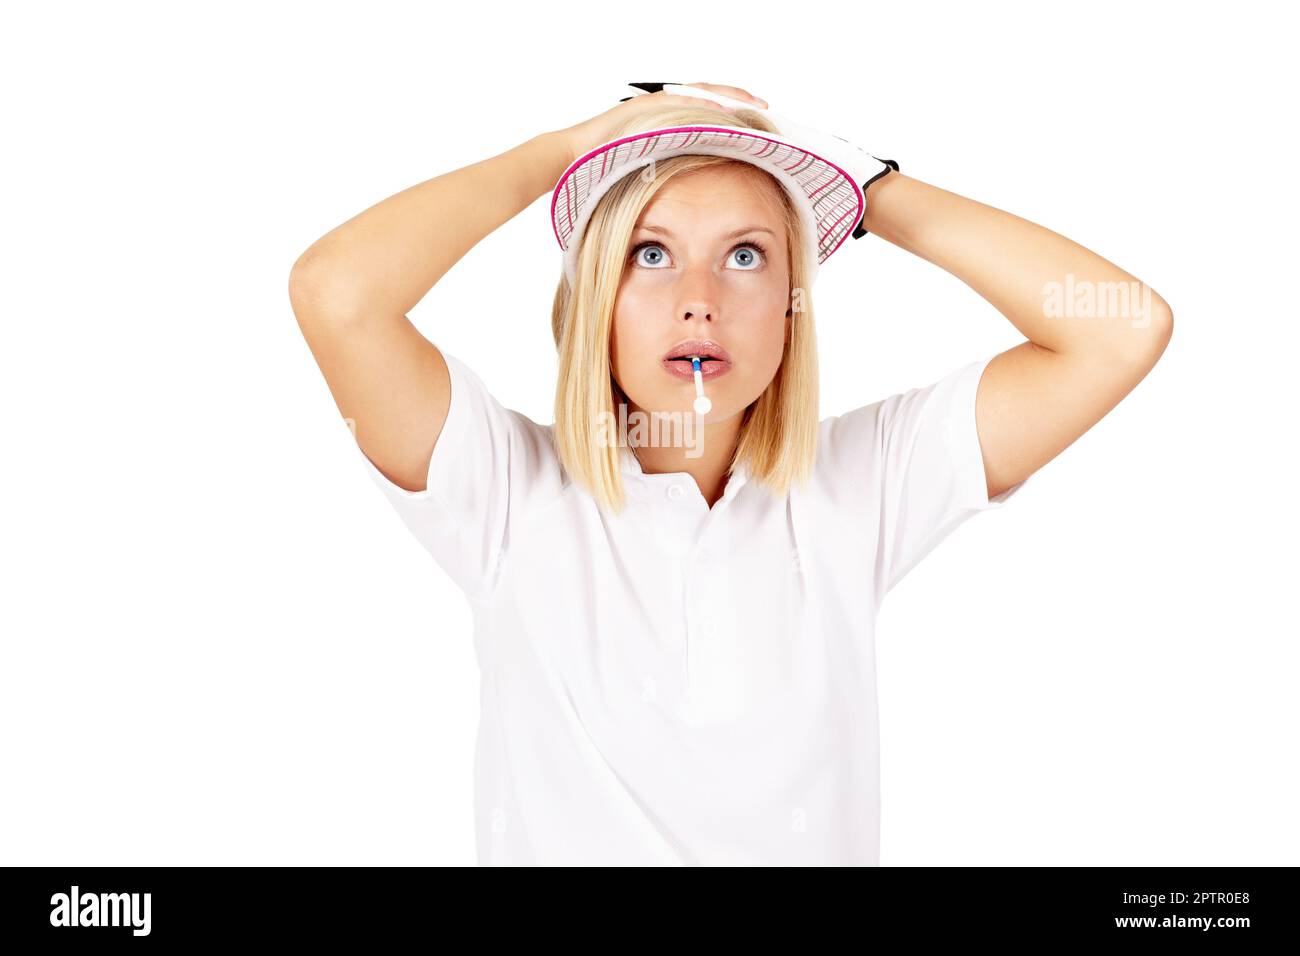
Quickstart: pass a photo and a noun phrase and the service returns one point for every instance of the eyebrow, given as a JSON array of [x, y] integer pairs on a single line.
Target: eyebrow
[[650, 227]]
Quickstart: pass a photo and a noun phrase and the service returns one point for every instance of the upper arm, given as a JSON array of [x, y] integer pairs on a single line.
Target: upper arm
[[922, 450], [388, 380], [457, 466], [1032, 403]]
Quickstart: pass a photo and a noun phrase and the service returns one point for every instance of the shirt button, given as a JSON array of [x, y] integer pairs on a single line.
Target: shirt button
[[675, 492], [706, 626]]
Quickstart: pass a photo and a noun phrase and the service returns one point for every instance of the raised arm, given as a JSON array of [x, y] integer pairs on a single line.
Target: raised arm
[[1094, 331], [351, 290]]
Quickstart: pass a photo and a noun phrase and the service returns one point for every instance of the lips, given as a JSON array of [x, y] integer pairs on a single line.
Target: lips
[[700, 347], [714, 359]]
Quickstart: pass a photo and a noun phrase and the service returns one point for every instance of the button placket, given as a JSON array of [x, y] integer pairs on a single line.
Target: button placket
[[714, 682]]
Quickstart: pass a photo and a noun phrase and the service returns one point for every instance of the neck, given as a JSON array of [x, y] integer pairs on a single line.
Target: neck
[[706, 460]]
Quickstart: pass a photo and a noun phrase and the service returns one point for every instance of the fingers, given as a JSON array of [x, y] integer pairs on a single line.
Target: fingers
[[697, 101], [735, 92]]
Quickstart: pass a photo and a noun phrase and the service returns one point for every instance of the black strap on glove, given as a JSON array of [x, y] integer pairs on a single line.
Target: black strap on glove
[[650, 88], [858, 231]]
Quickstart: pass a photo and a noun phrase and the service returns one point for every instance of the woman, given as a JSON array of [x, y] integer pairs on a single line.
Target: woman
[[676, 636]]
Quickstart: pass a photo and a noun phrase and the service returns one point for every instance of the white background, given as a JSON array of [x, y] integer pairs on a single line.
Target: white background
[[221, 646]]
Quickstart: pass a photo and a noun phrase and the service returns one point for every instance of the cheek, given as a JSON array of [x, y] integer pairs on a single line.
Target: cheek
[[630, 334], [764, 320], [766, 349], [760, 293], [634, 303]]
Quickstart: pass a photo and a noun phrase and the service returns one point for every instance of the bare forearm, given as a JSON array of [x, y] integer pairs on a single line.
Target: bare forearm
[[1035, 277], [384, 260]]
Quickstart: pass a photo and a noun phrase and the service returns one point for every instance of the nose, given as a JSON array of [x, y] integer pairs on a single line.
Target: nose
[[698, 298]]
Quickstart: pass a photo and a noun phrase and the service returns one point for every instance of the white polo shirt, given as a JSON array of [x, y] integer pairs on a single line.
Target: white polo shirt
[[680, 685]]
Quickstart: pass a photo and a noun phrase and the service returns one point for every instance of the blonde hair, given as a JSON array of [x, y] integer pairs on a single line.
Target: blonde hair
[[778, 432]]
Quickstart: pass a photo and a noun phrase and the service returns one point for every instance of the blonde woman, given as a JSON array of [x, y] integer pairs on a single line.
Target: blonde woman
[[675, 635]]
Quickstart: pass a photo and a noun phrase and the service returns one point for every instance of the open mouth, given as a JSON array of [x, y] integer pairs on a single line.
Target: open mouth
[[714, 359], [704, 348], [710, 366]]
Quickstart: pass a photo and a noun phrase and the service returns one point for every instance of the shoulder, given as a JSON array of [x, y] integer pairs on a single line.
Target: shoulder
[[847, 442], [861, 445], [491, 443], [882, 426]]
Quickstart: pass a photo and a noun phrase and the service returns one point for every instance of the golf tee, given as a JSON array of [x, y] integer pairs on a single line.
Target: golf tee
[[702, 404]]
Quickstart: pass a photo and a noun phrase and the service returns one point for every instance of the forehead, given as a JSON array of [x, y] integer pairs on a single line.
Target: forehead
[[720, 195]]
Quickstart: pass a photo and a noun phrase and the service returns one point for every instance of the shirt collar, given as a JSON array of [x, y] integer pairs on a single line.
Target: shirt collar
[[631, 466]]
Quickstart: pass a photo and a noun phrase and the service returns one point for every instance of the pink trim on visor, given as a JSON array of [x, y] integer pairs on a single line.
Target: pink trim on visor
[[802, 161]]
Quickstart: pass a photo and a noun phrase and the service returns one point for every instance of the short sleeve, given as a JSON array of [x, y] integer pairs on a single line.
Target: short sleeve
[[931, 469], [484, 455]]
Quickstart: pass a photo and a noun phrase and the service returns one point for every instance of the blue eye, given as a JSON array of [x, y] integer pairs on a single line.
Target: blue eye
[[655, 260], [746, 255], [750, 255]]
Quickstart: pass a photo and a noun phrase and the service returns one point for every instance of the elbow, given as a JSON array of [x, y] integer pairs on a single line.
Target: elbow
[[314, 294], [1149, 329], [306, 282], [1162, 315], [1162, 323], [303, 283]]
